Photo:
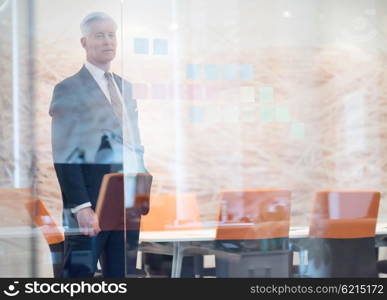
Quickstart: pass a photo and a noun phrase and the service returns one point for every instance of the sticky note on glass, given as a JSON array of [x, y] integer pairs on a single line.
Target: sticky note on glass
[[282, 114], [230, 114], [230, 72], [247, 94], [248, 114], [211, 71], [246, 72], [159, 91], [160, 47], [140, 91], [266, 94], [194, 91], [212, 92], [193, 71], [267, 114], [196, 114], [141, 46], [297, 130]]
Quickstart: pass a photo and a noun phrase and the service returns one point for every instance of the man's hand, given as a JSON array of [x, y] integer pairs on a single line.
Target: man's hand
[[88, 221]]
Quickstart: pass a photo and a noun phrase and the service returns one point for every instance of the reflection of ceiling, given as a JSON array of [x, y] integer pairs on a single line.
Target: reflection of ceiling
[[3, 4]]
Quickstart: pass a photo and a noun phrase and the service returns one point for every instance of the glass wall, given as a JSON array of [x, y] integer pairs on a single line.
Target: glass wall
[[259, 124], [19, 243], [240, 99]]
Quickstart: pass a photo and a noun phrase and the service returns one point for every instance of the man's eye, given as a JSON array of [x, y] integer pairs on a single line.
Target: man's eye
[[99, 36]]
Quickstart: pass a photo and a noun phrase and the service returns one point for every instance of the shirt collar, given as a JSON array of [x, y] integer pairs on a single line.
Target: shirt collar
[[95, 71]]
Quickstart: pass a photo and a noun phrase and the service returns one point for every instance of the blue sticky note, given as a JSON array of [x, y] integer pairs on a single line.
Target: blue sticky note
[[266, 94], [211, 71], [160, 47], [267, 114], [247, 72], [230, 72], [141, 46], [193, 71], [282, 114], [297, 130], [196, 114]]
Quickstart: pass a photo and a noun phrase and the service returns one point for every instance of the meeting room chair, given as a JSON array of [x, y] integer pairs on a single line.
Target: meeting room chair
[[342, 234], [52, 233], [254, 224], [122, 202], [170, 212]]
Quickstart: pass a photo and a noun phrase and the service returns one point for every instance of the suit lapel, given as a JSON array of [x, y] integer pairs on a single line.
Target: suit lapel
[[91, 86], [95, 96]]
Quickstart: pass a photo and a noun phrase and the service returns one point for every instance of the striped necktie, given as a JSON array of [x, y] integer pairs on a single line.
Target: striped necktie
[[114, 97]]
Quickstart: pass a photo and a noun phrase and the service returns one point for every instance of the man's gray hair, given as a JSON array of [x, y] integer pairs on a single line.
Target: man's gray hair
[[92, 17]]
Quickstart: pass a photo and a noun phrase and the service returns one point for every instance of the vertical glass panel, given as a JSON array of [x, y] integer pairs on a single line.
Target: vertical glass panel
[[79, 136], [18, 240], [266, 99], [230, 138]]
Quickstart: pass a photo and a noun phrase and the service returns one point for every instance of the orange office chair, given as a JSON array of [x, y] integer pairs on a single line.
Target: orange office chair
[[169, 212], [172, 212], [111, 200], [53, 234], [342, 234], [254, 224], [13, 200], [122, 200]]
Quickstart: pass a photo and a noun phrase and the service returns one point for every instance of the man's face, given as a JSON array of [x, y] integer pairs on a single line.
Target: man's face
[[100, 44]]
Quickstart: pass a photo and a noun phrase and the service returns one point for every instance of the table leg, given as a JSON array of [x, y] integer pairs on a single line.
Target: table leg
[[177, 260], [174, 258]]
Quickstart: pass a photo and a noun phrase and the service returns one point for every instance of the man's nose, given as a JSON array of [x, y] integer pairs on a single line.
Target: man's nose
[[108, 40]]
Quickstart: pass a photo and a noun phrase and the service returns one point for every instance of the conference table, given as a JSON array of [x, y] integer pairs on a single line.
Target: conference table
[[178, 241]]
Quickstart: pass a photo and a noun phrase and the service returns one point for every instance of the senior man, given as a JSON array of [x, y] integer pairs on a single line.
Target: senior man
[[94, 123]]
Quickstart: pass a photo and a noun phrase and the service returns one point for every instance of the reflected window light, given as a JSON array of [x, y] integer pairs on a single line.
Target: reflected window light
[[173, 27], [370, 12], [3, 4], [287, 14]]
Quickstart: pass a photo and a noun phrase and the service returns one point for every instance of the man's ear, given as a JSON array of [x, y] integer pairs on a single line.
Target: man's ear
[[83, 42]]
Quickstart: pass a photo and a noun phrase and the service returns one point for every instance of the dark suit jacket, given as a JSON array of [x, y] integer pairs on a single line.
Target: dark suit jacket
[[81, 115]]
